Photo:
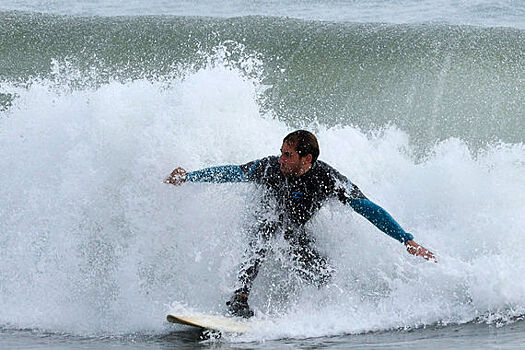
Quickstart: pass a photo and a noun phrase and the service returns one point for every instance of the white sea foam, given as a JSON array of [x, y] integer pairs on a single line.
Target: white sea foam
[[93, 241]]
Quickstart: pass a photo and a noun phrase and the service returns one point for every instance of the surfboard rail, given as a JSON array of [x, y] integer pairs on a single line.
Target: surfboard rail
[[213, 322]]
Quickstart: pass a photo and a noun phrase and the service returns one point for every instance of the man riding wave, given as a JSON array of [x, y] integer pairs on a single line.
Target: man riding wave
[[297, 184]]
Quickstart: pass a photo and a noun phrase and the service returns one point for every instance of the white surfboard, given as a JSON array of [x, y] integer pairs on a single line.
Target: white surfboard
[[213, 322]]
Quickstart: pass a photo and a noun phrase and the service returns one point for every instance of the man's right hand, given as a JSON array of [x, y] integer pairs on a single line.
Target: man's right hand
[[177, 177]]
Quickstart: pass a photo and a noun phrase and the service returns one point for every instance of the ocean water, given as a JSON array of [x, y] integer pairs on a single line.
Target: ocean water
[[419, 103]]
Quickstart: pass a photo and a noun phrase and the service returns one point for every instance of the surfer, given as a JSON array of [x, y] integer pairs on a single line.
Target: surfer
[[295, 185]]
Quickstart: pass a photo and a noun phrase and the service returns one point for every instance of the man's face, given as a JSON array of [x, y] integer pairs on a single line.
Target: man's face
[[291, 163]]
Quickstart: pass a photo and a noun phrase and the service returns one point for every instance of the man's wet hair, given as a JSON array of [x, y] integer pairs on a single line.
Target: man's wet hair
[[305, 143]]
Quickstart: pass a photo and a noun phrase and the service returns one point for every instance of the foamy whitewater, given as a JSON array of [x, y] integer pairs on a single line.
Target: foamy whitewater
[[93, 243], [92, 236]]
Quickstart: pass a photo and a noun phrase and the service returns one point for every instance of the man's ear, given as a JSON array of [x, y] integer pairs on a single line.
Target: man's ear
[[308, 158]]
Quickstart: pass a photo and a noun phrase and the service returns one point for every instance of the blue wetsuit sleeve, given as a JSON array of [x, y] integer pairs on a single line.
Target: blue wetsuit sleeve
[[350, 194], [251, 171], [380, 218], [224, 173]]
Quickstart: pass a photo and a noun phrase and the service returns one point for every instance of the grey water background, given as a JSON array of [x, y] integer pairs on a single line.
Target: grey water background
[[469, 336], [435, 81], [434, 70]]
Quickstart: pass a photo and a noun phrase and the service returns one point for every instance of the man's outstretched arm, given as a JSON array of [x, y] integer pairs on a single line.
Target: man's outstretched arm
[[386, 223], [251, 171], [224, 173]]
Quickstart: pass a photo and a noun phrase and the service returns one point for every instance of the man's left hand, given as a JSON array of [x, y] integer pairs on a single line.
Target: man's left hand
[[417, 250]]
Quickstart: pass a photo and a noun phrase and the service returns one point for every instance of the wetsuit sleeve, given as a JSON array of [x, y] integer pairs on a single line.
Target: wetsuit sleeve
[[380, 218], [225, 173], [350, 194]]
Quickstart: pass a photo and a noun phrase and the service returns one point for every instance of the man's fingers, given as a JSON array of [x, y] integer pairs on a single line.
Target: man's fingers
[[426, 254], [418, 250], [176, 177]]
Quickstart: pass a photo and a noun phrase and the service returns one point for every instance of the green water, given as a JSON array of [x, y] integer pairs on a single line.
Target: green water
[[433, 81]]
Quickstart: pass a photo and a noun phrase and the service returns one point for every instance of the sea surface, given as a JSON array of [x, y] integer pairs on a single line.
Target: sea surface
[[420, 103]]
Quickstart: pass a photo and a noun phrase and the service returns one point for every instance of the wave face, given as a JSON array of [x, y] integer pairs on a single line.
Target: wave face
[[96, 111], [433, 81]]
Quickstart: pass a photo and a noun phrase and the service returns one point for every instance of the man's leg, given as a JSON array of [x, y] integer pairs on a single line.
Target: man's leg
[[253, 257], [310, 264]]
